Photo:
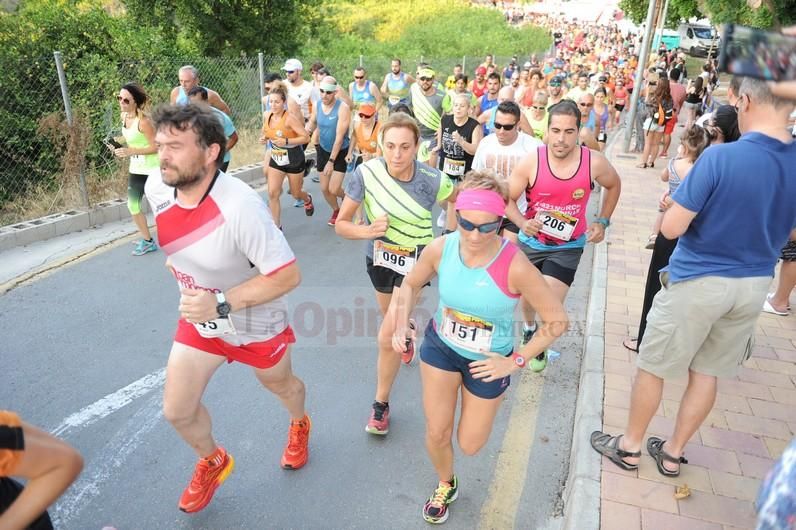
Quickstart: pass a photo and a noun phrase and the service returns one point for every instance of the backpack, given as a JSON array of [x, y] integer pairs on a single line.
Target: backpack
[[663, 114]]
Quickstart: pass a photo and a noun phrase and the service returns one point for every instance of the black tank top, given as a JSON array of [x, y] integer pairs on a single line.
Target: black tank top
[[452, 150]]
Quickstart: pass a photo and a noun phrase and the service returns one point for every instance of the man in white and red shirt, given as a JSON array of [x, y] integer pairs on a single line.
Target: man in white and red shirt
[[234, 268]]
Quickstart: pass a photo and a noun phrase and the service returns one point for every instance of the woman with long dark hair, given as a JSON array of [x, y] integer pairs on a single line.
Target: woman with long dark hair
[[660, 110]]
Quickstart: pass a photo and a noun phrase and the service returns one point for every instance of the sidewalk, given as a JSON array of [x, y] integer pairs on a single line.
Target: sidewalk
[[752, 421]]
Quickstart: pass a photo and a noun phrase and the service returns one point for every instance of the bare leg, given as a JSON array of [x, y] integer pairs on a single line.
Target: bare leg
[[281, 381], [787, 280], [697, 402], [296, 181], [475, 422], [644, 401], [440, 394], [141, 224], [389, 362], [275, 180]]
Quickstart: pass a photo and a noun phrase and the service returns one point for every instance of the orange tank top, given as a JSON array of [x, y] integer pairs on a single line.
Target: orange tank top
[[367, 144], [278, 130]]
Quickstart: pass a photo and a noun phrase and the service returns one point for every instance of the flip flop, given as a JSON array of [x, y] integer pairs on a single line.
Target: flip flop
[[608, 446], [631, 340], [655, 450], [768, 308]]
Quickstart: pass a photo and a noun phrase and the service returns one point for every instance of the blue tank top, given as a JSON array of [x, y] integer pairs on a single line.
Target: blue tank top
[[487, 104], [362, 96], [182, 97], [476, 308], [327, 128], [490, 125], [397, 89]]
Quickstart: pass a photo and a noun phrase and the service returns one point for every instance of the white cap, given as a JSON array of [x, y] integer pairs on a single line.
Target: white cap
[[292, 64]]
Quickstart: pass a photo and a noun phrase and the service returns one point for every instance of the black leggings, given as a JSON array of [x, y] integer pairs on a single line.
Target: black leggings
[[660, 258]]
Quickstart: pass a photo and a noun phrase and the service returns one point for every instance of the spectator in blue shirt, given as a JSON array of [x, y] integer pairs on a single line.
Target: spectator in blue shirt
[[732, 214]]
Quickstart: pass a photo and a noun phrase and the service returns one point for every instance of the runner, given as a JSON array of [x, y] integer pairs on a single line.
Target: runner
[[331, 119], [460, 87], [398, 194], [47, 464], [425, 100], [537, 114], [490, 98], [233, 267], [469, 343], [363, 90], [478, 85], [580, 89], [599, 116], [139, 136], [298, 89], [198, 95], [457, 140], [621, 98], [396, 84], [502, 151], [189, 78], [487, 118], [589, 128], [364, 143], [287, 138], [556, 91], [450, 83], [556, 180]]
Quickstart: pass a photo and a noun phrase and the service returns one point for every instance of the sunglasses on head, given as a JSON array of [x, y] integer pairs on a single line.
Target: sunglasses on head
[[126, 101], [425, 79], [485, 228], [505, 126]]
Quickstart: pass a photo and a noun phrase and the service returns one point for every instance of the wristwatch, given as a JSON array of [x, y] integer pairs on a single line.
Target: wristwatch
[[518, 359], [604, 221], [222, 308]]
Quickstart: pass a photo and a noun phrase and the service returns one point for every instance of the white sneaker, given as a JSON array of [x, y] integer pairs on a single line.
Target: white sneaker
[[442, 219], [768, 308]]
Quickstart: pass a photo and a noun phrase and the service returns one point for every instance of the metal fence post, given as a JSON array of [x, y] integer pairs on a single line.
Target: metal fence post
[[69, 120], [464, 63], [360, 61], [261, 74]]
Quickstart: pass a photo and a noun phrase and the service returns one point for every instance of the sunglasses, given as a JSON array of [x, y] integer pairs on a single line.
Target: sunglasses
[[426, 78], [365, 116], [538, 107], [328, 91], [505, 126], [585, 104], [126, 101], [485, 228], [288, 72], [358, 77]]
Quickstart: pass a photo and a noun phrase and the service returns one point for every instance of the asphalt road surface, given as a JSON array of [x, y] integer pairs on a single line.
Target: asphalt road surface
[[84, 351]]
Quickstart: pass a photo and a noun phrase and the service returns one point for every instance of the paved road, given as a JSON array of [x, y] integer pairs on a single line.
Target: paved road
[[84, 352]]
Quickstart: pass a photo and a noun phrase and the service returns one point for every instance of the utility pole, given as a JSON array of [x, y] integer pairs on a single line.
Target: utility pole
[[642, 65]]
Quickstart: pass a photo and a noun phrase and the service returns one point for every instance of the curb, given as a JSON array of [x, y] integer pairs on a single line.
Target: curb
[[582, 491]]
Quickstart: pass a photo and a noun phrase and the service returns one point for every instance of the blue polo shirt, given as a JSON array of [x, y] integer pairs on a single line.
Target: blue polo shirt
[[744, 194]]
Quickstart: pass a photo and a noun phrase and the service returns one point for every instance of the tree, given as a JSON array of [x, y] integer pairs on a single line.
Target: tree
[[769, 13], [230, 27]]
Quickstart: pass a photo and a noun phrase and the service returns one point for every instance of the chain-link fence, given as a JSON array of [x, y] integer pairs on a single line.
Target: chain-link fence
[[49, 163]]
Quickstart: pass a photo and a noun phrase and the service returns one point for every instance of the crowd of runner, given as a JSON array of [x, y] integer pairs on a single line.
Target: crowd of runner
[[512, 154]]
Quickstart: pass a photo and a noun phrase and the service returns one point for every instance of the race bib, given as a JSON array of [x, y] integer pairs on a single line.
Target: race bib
[[466, 331], [394, 257], [279, 156], [454, 168], [215, 328], [394, 100], [557, 224]]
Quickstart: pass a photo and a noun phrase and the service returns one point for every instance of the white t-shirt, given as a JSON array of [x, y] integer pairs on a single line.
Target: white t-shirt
[[301, 94], [229, 238], [504, 158]]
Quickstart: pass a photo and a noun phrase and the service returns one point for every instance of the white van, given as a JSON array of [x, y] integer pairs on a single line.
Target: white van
[[697, 39]]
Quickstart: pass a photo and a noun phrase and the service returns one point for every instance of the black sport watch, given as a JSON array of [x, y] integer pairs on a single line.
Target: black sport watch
[[222, 308]]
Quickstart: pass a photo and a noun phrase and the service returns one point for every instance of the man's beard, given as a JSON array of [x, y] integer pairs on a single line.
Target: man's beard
[[185, 178]]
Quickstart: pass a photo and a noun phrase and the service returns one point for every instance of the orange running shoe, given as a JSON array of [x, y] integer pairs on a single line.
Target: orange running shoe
[[207, 477], [297, 450]]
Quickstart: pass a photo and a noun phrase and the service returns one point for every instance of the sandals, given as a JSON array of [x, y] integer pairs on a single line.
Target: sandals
[[651, 242], [631, 344], [768, 308], [608, 446], [642, 165], [655, 450]]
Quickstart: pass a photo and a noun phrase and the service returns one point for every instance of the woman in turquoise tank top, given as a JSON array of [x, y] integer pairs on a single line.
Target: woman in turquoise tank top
[[140, 148], [469, 343]]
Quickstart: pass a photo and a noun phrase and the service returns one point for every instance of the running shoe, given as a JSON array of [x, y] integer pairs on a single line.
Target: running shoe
[[207, 477], [144, 247], [298, 204], [527, 335], [379, 422], [435, 511], [309, 208], [539, 362], [408, 356], [297, 451], [316, 177], [333, 219]]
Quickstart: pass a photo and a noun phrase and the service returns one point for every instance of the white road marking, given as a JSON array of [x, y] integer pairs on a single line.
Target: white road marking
[[108, 462], [111, 403]]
